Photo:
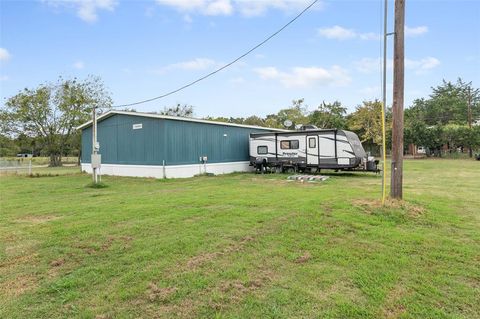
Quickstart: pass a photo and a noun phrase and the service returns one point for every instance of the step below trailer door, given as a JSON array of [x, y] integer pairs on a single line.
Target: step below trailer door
[[312, 150]]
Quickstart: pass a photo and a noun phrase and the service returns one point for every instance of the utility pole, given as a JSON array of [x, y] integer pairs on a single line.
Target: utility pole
[[396, 186], [469, 105]]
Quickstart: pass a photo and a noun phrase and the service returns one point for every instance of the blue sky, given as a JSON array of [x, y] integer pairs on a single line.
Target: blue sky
[[142, 49]]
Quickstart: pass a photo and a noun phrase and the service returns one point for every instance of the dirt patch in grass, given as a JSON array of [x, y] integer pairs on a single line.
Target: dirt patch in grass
[[327, 209], [18, 286], [18, 260], [228, 293], [343, 287], [303, 258], [37, 219], [199, 260], [371, 206], [393, 308], [156, 293], [265, 228], [57, 263], [92, 248]]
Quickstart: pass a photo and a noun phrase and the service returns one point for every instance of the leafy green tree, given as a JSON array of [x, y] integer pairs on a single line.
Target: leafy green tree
[[272, 120], [179, 110], [329, 115], [254, 120], [8, 147], [297, 113], [51, 112], [217, 119], [448, 104], [366, 121]]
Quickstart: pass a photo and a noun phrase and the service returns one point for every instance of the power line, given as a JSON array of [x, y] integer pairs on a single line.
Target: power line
[[223, 67]]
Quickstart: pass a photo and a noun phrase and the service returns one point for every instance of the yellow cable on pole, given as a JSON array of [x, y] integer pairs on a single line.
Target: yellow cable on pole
[[384, 154]]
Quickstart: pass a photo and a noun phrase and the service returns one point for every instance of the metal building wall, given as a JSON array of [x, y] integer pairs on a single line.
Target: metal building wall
[[176, 142]]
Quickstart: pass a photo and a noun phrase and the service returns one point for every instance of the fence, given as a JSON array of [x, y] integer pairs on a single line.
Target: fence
[[20, 166]]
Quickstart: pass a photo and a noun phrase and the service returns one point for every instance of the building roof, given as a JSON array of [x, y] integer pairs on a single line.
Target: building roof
[[175, 118]]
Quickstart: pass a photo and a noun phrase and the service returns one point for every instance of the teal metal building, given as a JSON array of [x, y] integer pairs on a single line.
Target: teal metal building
[[152, 145]]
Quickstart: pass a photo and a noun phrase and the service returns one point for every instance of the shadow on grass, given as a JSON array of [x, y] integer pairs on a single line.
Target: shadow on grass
[[96, 185]]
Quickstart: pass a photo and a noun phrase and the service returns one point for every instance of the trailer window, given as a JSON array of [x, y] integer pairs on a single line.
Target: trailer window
[[289, 145], [262, 150], [312, 142]]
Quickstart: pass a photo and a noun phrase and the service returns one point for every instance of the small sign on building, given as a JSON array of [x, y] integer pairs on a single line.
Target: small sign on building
[[137, 126]]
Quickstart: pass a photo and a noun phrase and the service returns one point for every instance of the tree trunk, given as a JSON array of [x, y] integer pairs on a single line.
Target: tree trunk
[[55, 160]]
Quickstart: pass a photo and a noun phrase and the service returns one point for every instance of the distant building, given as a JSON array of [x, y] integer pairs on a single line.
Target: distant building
[[24, 155], [152, 145]]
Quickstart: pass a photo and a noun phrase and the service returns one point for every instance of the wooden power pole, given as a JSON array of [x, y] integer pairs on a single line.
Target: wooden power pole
[[396, 186]]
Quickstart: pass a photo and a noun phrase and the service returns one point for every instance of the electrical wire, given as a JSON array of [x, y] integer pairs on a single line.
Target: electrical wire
[[223, 67]]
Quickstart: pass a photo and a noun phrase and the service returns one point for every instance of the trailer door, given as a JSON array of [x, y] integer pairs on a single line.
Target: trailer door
[[327, 148], [312, 150]]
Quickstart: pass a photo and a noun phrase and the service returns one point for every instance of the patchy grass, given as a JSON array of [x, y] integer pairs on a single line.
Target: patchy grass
[[242, 246]]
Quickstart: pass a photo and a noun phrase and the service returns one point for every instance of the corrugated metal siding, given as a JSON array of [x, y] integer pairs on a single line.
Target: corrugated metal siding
[[176, 142]]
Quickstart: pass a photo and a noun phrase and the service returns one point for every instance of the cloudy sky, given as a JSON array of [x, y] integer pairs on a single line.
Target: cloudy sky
[[142, 49]]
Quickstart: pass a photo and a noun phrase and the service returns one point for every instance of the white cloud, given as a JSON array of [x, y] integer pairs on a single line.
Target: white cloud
[[206, 7], [251, 8], [371, 65], [4, 55], [374, 65], [195, 64], [415, 31], [87, 10], [337, 32], [79, 65], [301, 77], [227, 7], [370, 36], [340, 33], [422, 65]]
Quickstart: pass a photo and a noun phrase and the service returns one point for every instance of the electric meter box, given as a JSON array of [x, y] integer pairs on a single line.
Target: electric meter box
[[96, 160]]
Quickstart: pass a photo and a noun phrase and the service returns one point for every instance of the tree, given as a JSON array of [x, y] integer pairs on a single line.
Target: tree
[[366, 121], [329, 115], [297, 113], [448, 104], [272, 120], [178, 110], [53, 110], [8, 147], [254, 120]]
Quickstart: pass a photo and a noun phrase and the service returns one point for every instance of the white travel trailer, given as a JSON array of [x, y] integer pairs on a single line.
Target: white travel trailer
[[309, 150]]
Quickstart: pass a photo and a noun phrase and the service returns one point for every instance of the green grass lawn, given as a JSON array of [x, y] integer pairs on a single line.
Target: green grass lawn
[[242, 246]]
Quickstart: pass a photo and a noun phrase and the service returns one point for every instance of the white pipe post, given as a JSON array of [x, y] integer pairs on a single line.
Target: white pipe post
[[94, 142], [164, 173]]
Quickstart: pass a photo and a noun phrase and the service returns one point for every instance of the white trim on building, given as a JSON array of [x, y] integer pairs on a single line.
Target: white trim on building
[[176, 118], [170, 171]]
